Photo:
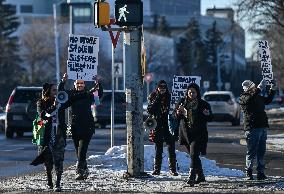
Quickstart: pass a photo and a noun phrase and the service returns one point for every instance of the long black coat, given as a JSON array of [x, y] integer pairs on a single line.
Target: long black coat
[[198, 130], [161, 132], [82, 124], [253, 106]]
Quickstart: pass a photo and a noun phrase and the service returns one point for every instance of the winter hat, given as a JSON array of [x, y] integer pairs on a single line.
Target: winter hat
[[161, 82], [196, 87], [247, 85]]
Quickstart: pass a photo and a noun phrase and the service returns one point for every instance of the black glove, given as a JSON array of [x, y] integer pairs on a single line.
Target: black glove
[[273, 85]]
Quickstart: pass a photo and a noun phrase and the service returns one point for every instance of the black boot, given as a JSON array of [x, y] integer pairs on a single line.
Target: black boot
[[49, 180], [200, 176], [173, 167], [249, 175], [192, 177], [261, 176], [157, 167], [58, 186]]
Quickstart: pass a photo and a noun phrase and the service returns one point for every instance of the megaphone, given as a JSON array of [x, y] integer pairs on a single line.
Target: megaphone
[[62, 97], [150, 123]]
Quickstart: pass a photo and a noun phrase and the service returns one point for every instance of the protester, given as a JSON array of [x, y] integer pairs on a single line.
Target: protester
[[55, 135], [255, 125], [82, 125], [193, 113], [158, 108]]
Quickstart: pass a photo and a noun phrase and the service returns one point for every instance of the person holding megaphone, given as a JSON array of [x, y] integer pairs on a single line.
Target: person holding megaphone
[[158, 109]]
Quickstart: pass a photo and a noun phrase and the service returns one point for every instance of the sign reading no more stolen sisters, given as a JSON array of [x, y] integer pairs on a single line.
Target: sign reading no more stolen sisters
[[82, 60]]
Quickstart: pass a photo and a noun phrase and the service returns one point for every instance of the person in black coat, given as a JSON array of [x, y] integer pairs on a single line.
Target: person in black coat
[[82, 124], [255, 125], [158, 108], [193, 114]]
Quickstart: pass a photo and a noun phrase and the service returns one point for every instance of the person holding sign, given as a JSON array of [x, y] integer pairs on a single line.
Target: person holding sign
[[193, 114], [158, 108], [83, 125], [255, 124]]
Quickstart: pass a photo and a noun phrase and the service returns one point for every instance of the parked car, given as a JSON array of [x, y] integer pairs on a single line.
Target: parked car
[[21, 110], [103, 111], [2, 119], [224, 106], [277, 102]]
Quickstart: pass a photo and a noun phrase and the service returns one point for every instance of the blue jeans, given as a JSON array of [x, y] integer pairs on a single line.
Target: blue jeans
[[256, 147]]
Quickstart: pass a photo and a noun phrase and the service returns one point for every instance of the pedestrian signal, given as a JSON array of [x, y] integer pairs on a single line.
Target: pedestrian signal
[[101, 14], [129, 12]]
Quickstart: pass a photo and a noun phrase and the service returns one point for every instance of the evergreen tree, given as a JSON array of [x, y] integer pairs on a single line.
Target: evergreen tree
[[163, 27], [191, 50], [213, 39], [10, 71]]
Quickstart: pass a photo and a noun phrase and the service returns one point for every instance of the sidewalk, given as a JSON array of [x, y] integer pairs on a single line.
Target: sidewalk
[[106, 176]]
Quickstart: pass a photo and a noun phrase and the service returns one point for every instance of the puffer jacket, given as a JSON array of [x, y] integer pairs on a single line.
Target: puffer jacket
[[253, 106]]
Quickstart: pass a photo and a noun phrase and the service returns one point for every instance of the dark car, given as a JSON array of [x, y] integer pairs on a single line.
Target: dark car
[[21, 110], [103, 111]]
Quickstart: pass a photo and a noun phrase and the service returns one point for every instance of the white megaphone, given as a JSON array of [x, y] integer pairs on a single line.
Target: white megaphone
[[150, 123], [62, 97]]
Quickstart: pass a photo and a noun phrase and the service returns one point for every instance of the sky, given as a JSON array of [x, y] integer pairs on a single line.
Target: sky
[[229, 3]]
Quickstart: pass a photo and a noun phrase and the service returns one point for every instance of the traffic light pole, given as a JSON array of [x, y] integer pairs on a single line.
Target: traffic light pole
[[134, 101]]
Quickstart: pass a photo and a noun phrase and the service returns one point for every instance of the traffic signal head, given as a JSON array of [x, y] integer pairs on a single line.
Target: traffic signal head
[[101, 14], [129, 12]]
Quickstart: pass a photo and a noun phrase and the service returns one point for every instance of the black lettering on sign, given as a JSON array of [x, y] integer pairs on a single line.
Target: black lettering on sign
[[263, 44], [88, 40], [72, 48], [73, 39]]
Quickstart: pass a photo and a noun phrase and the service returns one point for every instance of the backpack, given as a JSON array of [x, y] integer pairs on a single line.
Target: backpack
[[38, 131]]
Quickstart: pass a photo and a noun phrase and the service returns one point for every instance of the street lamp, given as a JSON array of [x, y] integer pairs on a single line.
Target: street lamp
[[56, 40]]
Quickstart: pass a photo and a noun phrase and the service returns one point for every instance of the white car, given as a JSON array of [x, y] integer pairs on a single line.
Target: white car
[[224, 106]]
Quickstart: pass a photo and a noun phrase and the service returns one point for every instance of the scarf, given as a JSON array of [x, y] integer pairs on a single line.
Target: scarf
[[191, 105]]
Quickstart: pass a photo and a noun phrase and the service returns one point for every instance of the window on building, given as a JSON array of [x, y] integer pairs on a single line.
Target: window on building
[[82, 14], [26, 9]]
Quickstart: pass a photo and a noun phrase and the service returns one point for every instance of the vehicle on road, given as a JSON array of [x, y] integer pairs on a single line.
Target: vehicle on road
[[21, 110], [224, 106], [103, 111], [2, 119], [277, 102]]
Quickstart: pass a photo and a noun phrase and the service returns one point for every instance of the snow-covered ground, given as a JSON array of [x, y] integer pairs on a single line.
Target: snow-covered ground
[[106, 174]]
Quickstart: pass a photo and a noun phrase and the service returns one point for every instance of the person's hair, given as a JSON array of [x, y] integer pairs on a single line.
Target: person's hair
[[46, 88], [196, 87]]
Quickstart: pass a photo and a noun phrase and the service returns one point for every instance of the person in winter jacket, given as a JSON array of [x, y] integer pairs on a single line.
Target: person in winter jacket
[[158, 108], [54, 142], [255, 125], [82, 124], [193, 113]]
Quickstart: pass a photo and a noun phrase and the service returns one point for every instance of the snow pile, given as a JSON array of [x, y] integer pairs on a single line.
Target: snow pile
[[276, 141], [115, 159]]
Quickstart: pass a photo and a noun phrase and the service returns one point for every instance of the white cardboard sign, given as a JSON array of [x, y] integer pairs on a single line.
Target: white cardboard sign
[[82, 57], [265, 61]]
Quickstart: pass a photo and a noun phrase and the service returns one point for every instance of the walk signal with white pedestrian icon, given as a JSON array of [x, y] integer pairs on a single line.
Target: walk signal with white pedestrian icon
[[129, 12]]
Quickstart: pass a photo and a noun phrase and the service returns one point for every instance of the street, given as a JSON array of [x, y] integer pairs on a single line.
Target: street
[[224, 147]]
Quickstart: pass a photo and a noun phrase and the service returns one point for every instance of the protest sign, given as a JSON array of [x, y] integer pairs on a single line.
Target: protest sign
[[82, 57], [179, 87], [265, 61]]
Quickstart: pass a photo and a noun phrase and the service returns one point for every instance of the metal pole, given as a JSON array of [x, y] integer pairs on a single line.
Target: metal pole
[[56, 36], [219, 82], [134, 107], [112, 98], [148, 84], [71, 19], [116, 83]]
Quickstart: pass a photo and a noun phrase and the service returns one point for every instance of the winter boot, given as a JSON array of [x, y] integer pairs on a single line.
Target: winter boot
[[200, 176], [80, 171], [57, 186], [49, 180], [157, 167], [173, 167], [261, 176], [249, 175], [192, 177], [86, 171]]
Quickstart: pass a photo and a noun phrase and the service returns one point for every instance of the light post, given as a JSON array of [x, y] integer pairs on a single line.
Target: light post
[[56, 40]]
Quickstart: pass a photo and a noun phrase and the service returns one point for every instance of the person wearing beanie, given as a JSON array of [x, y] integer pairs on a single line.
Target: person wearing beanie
[[255, 125], [193, 114], [158, 107]]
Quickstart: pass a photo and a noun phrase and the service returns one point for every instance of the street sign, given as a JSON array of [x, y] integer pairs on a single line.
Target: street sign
[[206, 84], [129, 12], [148, 77], [227, 85], [118, 71]]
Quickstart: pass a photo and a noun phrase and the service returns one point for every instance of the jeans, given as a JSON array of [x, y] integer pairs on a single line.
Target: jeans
[[256, 147]]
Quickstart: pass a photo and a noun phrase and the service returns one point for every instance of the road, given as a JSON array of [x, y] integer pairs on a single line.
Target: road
[[224, 147]]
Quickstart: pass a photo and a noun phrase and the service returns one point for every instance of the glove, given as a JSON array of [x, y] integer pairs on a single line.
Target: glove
[[262, 84], [151, 136]]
